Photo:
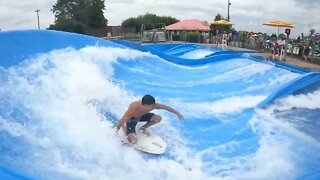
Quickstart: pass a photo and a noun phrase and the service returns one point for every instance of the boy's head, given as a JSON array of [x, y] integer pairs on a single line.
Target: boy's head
[[148, 100]]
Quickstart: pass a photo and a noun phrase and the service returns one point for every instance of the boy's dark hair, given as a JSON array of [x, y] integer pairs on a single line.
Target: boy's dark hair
[[148, 100]]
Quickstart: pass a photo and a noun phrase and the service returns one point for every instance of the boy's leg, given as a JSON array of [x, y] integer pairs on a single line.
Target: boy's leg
[[132, 138], [131, 131], [151, 120]]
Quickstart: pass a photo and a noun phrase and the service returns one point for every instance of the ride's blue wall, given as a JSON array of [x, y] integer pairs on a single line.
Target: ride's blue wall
[[16, 46], [175, 59]]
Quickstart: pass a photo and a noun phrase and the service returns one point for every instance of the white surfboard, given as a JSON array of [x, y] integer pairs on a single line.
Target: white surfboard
[[152, 144]]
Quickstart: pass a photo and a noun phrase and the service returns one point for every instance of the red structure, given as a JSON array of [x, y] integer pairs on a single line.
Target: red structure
[[189, 25]]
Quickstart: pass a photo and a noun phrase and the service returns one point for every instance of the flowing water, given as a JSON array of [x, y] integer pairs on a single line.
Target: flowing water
[[58, 109]]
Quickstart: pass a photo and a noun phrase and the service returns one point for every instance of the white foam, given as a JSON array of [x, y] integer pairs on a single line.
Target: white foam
[[272, 160], [239, 71], [182, 66], [303, 101], [309, 101], [230, 105], [283, 145], [61, 97], [197, 54], [273, 82], [242, 72], [66, 132]]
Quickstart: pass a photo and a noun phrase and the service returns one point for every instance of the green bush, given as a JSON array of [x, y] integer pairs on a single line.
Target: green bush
[[176, 37], [194, 37]]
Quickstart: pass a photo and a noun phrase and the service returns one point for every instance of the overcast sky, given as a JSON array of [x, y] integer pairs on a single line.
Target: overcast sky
[[245, 14]]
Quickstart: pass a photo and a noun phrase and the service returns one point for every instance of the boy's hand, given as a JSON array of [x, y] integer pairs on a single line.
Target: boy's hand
[[180, 117]]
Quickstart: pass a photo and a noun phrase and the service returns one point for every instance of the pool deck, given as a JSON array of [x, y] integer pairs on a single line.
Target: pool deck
[[292, 60]]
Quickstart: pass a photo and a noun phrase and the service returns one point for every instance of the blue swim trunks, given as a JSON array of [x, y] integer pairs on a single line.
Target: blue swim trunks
[[131, 124]]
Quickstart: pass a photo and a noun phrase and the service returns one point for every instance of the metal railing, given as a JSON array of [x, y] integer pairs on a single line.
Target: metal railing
[[312, 53]]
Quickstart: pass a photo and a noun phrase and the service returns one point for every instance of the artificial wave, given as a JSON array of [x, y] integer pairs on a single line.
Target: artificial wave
[[61, 93]]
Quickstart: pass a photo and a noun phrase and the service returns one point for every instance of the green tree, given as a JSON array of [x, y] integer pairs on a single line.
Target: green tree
[[222, 28], [150, 21], [219, 17], [80, 16]]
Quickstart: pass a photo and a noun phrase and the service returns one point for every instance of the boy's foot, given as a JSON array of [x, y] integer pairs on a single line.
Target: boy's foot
[[145, 132]]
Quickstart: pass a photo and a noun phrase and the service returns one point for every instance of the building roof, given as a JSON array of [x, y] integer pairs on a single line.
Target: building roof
[[191, 24]]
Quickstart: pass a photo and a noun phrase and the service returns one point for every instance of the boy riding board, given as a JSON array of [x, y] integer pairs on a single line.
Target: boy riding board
[[140, 111]]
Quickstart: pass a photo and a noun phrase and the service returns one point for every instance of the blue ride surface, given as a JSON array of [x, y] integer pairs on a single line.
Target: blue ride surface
[[61, 93]]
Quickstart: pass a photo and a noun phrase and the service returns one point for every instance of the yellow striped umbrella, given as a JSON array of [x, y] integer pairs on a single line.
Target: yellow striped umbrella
[[222, 22], [279, 24]]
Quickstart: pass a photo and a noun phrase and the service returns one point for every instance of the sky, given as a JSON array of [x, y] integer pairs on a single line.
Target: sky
[[247, 15]]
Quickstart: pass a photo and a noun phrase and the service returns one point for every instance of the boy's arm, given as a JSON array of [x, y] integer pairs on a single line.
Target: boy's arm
[[121, 122], [127, 115], [170, 109]]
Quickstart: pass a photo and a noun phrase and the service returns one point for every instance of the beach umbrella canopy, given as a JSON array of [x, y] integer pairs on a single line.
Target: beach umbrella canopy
[[279, 24], [222, 22], [191, 24]]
